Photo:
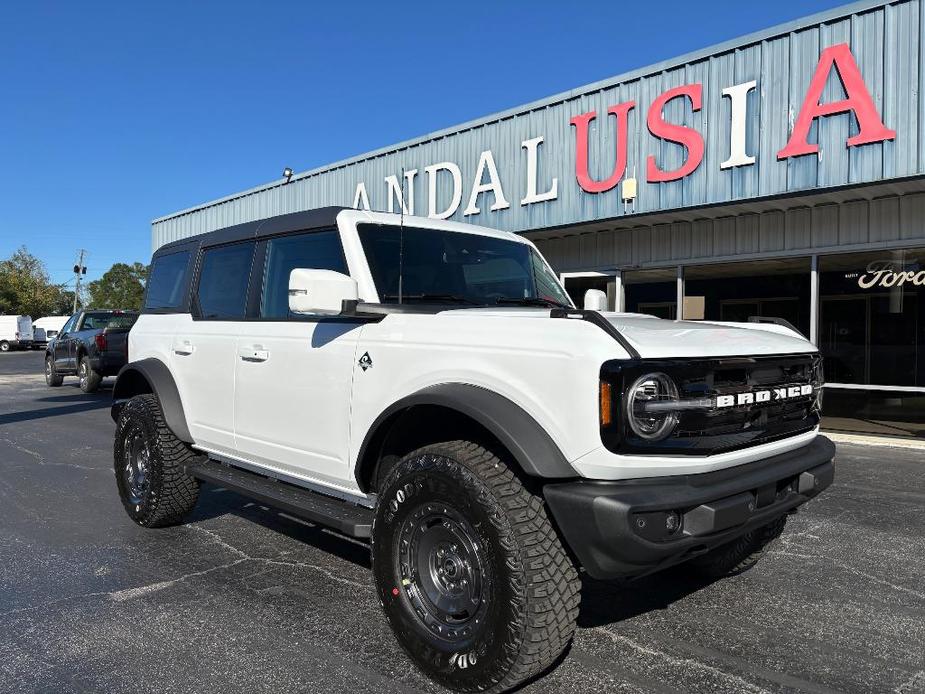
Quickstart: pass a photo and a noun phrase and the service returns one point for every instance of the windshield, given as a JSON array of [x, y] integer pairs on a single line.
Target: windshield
[[451, 267]]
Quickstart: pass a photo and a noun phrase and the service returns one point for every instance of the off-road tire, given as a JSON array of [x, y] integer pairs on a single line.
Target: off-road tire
[[89, 379], [171, 493], [531, 586], [4, 346], [52, 378], [739, 555]]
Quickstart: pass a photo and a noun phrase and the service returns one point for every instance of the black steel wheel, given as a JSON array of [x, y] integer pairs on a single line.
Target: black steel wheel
[[472, 576], [149, 463], [52, 378]]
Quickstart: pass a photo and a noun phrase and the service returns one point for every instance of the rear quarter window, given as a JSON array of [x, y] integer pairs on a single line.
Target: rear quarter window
[[167, 281]]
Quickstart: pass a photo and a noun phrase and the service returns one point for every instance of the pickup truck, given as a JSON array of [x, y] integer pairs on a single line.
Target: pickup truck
[[92, 344], [430, 387]]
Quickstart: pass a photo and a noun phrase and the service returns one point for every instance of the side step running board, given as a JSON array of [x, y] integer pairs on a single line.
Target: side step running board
[[343, 516]]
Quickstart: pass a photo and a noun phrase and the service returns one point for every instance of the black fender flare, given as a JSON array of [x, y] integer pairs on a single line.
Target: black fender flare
[[151, 376], [529, 444]]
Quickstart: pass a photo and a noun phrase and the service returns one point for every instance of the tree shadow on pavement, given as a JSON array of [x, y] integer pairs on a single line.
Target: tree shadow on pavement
[[76, 405]]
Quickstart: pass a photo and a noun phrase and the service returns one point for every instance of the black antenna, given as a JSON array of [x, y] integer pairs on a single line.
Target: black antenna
[[401, 236]]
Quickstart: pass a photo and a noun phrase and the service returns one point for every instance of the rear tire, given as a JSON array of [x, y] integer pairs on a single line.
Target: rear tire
[[89, 379], [470, 572], [4, 346], [739, 555], [149, 461], [52, 378]]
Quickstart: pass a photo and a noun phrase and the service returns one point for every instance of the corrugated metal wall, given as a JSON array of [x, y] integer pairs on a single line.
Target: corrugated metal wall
[[897, 220], [885, 41]]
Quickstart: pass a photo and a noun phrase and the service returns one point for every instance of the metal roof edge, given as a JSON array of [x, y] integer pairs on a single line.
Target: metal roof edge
[[839, 12]]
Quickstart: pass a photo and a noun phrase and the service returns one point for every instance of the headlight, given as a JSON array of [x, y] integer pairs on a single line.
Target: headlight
[[645, 406]]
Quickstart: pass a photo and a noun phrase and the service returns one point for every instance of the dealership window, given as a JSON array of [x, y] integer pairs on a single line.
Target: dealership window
[[736, 292], [651, 291], [872, 338]]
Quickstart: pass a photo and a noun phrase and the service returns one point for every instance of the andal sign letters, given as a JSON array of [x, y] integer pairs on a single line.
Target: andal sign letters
[[485, 188]]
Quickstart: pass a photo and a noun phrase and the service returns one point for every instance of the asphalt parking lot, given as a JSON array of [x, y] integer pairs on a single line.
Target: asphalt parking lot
[[245, 599]]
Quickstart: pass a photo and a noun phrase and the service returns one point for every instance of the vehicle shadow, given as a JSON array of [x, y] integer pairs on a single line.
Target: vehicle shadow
[[216, 501], [602, 602], [605, 602]]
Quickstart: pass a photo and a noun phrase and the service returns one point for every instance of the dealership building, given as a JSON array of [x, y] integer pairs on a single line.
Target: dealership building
[[778, 175]]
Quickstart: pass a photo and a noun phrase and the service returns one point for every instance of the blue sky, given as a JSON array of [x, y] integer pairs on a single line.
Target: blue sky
[[113, 114]]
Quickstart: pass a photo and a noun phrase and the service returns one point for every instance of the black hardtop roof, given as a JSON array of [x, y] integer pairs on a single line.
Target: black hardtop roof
[[280, 224]]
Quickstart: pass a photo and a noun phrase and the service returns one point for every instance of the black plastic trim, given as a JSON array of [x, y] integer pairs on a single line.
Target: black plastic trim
[[597, 319], [157, 376], [529, 443], [596, 518]]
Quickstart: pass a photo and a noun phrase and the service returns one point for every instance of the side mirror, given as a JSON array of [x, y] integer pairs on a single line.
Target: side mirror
[[320, 291], [595, 300]]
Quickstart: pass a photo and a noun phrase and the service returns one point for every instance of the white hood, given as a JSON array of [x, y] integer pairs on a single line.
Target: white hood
[[655, 338]]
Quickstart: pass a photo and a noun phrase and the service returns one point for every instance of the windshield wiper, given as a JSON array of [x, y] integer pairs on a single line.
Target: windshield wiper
[[435, 297], [531, 301]]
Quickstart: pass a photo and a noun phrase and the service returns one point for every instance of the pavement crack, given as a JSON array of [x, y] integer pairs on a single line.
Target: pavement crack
[[847, 567], [42, 460], [676, 660], [130, 593]]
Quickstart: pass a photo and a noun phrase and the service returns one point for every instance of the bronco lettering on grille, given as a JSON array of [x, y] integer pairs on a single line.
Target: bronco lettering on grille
[[761, 396]]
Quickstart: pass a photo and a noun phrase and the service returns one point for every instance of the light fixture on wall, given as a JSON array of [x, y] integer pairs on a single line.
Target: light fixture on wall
[[287, 174]]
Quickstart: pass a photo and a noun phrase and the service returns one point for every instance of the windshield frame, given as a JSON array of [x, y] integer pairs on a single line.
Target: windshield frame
[[538, 275]]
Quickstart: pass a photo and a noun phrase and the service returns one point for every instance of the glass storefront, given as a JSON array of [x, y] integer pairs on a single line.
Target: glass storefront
[[871, 323], [872, 338]]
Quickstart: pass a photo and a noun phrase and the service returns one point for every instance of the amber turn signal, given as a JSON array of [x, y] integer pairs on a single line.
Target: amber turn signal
[[606, 405]]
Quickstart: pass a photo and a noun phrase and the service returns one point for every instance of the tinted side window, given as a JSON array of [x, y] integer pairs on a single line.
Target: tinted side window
[[320, 250], [166, 281], [223, 281], [69, 326]]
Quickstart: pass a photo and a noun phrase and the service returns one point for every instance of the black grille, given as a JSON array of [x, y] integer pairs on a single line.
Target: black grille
[[710, 429]]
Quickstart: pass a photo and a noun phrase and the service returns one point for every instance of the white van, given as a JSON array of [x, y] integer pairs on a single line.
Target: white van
[[15, 332], [44, 329]]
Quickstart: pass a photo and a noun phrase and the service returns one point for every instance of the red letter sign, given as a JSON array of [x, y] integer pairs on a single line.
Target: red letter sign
[[621, 111], [681, 134], [871, 128]]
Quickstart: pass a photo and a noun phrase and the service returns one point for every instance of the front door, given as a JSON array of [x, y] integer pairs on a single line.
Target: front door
[[62, 346], [294, 374]]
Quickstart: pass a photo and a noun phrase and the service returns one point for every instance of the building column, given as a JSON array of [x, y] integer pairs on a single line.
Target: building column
[[619, 294], [814, 300], [679, 297]]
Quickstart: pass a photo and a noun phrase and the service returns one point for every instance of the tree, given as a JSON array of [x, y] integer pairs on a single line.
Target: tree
[[121, 286], [24, 286]]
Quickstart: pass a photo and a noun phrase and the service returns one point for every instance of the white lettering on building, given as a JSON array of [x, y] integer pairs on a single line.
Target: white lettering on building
[[456, 198], [493, 185], [738, 105], [532, 195]]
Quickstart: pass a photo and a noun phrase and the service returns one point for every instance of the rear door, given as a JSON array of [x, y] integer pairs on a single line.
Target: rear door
[[204, 346], [294, 373]]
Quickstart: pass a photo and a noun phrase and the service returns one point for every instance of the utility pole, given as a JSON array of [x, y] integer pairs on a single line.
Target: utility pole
[[79, 270]]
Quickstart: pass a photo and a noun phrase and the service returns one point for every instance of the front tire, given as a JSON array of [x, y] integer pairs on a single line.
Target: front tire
[[52, 378], [739, 555], [470, 572], [89, 379], [149, 461], [4, 346]]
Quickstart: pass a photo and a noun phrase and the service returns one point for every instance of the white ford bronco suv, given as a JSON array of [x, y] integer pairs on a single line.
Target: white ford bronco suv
[[429, 385]]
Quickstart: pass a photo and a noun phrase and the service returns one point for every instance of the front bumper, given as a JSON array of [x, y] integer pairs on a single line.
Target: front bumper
[[621, 529]]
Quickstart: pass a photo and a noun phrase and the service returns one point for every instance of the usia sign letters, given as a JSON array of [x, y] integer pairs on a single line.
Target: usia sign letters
[[485, 187]]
